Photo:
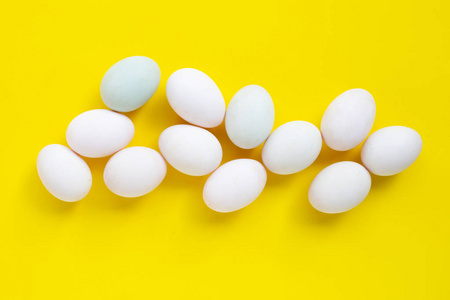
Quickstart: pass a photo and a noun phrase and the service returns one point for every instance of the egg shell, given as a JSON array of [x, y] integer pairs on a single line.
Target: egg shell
[[234, 185], [99, 133], [195, 97], [64, 174], [190, 149], [130, 83], [134, 172], [292, 147], [348, 119], [250, 116], [339, 187], [391, 150]]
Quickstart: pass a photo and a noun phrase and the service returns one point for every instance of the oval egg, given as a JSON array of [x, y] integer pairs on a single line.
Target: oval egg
[[391, 150], [348, 119], [292, 147], [190, 149], [195, 97], [234, 185], [130, 83], [134, 172], [64, 174], [339, 187], [250, 116], [99, 133]]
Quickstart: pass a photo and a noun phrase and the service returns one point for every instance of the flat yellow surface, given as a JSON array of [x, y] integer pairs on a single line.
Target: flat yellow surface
[[168, 244]]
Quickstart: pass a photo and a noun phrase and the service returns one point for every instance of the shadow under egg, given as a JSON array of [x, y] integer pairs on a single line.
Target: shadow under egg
[[329, 156]]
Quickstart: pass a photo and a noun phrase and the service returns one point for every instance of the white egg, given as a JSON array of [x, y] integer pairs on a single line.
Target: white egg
[[292, 147], [196, 98], [249, 117], [99, 133], [391, 150], [234, 185], [134, 172], [64, 174], [190, 149], [348, 119], [130, 83], [339, 187]]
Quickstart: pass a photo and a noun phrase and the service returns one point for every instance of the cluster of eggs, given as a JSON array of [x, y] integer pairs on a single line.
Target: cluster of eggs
[[193, 150]]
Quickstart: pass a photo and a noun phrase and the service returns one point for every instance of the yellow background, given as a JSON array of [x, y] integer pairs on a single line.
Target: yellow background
[[168, 244]]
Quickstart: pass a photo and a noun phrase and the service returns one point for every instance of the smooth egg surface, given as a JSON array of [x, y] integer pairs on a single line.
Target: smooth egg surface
[[292, 147], [391, 150], [99, 133], [250, 116], [64, 174], [130, 83], [348, 119], [134, 172], [234, 185], [190, 149], [195, 97], [339, 187]]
